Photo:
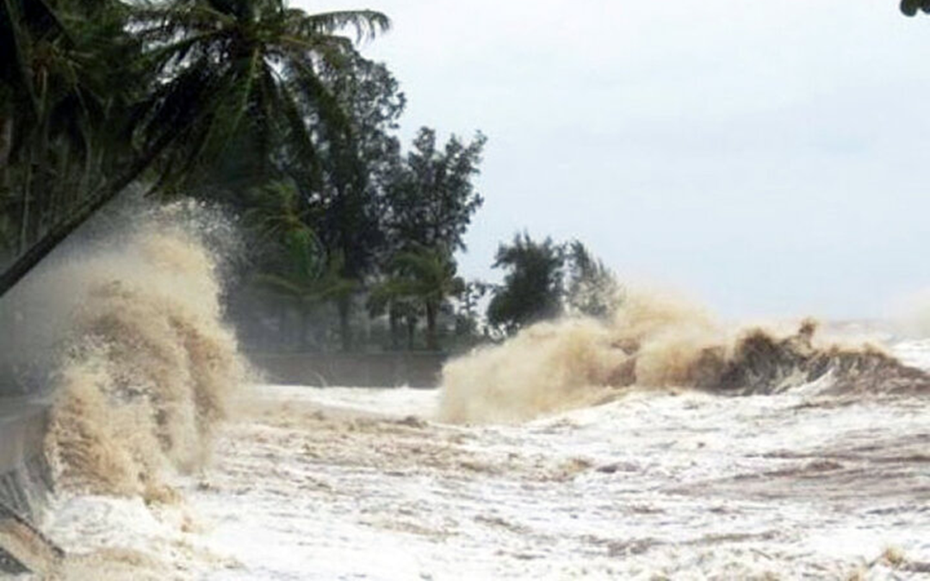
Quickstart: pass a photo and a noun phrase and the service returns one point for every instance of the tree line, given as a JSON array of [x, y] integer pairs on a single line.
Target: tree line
[[267, 109], [274, 113]]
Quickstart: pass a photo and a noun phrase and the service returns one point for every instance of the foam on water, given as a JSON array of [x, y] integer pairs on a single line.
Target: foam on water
[[682, 485], [340, 483]]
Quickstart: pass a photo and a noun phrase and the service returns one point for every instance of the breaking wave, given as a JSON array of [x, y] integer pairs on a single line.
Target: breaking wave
[[657, 342], [146, 365]]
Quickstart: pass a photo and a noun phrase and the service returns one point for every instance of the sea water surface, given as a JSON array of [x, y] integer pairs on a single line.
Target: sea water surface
[[343, 483]]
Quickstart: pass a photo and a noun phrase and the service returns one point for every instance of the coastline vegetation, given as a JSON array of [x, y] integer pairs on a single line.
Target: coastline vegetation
[[273, 113]]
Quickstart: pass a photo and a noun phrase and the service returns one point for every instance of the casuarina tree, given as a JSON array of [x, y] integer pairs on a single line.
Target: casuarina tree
[[532, 289]]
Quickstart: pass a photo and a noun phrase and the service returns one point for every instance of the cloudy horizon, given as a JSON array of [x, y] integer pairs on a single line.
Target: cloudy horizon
[[762, 158]]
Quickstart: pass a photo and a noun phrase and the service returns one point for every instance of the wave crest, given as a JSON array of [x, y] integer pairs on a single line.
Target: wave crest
[[148, 366], [656, 342]]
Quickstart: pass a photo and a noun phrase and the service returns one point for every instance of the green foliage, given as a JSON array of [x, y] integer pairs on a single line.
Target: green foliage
[[532, 288], [911, 7], [420, 277], [546, 280], [432, 198], [592, 289], [95, 95], [292, 265], [356, 165], [427, 200], [61, 108], [357, 168], [467, 330], [426, 273], [275, 210], [241, 67], [266, 108], [308, 287]]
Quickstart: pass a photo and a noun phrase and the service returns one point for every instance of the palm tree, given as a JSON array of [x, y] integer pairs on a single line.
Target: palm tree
[[300, 270], [243, 69], [424, 275], [223, 72], [56, 89], [279, 215], [259, 74], [64, 78], [22, 26], [305, 281]]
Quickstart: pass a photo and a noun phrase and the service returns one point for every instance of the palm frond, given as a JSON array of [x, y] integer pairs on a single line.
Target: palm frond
[[231, 110], [367, 23], [299, 137]]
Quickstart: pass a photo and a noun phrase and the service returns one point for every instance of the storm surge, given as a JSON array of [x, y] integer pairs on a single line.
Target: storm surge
[[141, 361], [658, 342]]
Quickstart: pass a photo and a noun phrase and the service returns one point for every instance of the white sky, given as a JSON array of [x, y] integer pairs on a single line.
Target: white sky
[[767, 158]]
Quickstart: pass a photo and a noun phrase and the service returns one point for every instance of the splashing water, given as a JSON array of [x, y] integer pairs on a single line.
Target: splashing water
[[146, 366], [656, 342]]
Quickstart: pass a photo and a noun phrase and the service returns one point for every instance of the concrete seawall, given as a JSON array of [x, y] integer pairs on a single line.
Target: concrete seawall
[[352, 369], [24, 485], [23, 474]]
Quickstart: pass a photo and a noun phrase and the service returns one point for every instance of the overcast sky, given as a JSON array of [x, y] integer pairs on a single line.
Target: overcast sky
[[766, 158]]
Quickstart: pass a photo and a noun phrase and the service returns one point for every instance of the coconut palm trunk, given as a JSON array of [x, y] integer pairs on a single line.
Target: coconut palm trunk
[[344, 305], [57, 234], [411, 332], [394, 318], [432, 311], [306, 321], [6, 141]]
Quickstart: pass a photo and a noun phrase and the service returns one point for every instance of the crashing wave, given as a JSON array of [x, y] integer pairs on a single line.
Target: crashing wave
[[656, 343], [146, 366], [761, 363]]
